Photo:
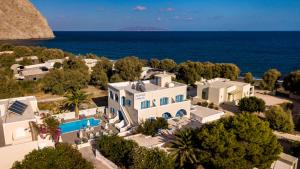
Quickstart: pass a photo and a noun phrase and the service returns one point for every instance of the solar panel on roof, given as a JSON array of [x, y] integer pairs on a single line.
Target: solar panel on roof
[[18, 107]]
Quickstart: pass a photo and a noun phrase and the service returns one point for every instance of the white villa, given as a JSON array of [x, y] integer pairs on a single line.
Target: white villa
[[133, 102], [221, 90], [17, 136], [35, 71]]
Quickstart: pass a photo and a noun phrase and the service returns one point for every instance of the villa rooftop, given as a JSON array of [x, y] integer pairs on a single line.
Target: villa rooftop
[[9, 116], [220, 83], [147, 84]]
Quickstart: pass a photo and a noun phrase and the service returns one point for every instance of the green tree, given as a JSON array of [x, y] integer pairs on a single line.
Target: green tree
[[184, 150], [269, 79], [57, 65], [242, 141], [99, 78], [21, 51], [229, 71], [154, 63], [47, 54], [155, 158], [61, 81], [76, 98], [280, 119], [248, 78], [101, 71], [115, 78], [188, 72], [63, 156], [117, 149], [168, 65], [252, 104], [291, 82], [151, 127], [129, 68]]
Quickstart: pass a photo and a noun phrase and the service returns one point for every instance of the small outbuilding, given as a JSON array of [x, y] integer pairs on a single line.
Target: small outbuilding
[[205, 115]]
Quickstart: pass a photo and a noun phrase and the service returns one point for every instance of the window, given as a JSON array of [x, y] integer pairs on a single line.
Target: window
[[203, 95], [145, 104], [128, 102], [116, 97], [123, 101], [111, 94], [164, 101], [179, 98]]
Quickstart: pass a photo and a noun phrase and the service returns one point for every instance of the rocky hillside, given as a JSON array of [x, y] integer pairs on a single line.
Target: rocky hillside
[[19, 19]]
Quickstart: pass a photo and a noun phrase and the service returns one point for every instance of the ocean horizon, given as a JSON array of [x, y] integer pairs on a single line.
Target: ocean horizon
[[254, 51]]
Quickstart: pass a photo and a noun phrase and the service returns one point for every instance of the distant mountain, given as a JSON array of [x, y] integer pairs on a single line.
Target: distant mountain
[[19, 19], [141, 28]]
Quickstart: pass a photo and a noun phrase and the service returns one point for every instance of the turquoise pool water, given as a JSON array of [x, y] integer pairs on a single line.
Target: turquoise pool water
[[78, 124]]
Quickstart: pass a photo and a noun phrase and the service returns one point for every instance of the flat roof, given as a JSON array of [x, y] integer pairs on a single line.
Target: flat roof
[[148, 84], [10, 117], [221, 83], [147, 141], [33, 71], [203, 112]]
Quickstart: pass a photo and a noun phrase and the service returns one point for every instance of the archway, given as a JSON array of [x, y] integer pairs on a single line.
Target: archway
[[166, 115], [181, 113]]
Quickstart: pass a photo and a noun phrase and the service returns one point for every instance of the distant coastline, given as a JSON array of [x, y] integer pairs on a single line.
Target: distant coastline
[[254, 51]]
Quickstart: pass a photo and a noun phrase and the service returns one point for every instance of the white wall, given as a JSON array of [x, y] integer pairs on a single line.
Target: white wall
[[10, 154]]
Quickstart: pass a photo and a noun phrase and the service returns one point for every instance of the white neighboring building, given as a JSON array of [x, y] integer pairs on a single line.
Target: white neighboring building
[[221, 90], [204, 114], [17, 136], [35, 71], [16, 115], [90, 63], [133, 102]]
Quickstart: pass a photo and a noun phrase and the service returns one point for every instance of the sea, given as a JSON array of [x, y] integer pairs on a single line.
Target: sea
[[253, 52]]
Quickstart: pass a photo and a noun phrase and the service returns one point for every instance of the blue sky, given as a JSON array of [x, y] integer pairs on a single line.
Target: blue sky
[[178, 15]]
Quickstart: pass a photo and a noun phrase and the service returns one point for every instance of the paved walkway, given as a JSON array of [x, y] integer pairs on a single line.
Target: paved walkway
[[88, 154], [287, 136]]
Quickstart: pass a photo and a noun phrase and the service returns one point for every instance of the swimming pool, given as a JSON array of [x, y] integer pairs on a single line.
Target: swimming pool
[[78, 124]]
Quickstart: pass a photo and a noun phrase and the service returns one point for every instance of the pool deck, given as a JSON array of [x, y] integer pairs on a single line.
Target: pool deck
[[70, 137]]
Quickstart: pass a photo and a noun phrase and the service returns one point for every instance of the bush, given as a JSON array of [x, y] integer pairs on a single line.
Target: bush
[[211, 105], [252, 104], [117, 149], [292, 82], [248, 78], [280, 119], [127, 154], [129, 68], [151, 158], [151, 127], [61, 157], [269, 79], [168, 65]]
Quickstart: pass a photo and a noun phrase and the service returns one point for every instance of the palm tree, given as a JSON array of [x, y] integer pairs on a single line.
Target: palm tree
[[183, 149], [75, 98]]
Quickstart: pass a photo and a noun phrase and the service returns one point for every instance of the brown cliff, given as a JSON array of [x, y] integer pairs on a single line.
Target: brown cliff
[[19, 19]]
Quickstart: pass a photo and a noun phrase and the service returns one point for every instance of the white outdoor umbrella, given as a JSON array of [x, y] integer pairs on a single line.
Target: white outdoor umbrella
[[80, 134], [88, 123]]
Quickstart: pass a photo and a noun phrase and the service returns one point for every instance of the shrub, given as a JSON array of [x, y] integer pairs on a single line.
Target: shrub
[[151, 127], [292, 82], [211, 105], [252, 104], [248, 77], [280, 119], [151, 158], [116, 149], [204, 104], [269, 79], [61, 157]]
